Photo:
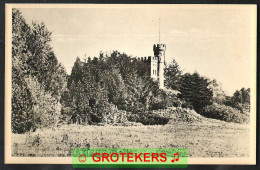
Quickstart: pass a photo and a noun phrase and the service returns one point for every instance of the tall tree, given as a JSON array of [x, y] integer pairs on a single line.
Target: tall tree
[[22, 100], [242, 96], [172, 73], [240, 100], [38, 79], [218, 93], [195, 90]]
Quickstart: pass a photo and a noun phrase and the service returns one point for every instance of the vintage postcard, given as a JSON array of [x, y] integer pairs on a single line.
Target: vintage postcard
[[130, 76]]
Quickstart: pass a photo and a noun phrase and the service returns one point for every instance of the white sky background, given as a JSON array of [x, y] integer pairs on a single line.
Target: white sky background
[[215, 42]]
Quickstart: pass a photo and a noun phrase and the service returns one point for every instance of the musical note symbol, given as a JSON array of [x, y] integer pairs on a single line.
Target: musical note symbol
[[176, 159]]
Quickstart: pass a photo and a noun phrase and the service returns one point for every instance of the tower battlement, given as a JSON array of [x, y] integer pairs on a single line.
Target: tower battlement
[[153, 59], [149, 58], [159, 47]]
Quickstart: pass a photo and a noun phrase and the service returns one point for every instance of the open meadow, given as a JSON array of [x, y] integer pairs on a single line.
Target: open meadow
[[208, 138]]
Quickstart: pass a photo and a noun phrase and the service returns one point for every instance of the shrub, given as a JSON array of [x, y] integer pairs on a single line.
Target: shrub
[[114, 115], [226, 113], [37, 141], [148, 118]]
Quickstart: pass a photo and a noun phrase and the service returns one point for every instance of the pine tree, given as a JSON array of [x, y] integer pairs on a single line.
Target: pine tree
[[172, 73], [195, 90], [22, 100]]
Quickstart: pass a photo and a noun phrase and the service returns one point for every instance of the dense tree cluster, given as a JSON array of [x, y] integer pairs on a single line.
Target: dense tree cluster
[[111, 80], [38, 80], [240, 100]]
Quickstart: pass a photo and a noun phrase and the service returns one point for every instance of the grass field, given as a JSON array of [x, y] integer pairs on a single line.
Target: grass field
[[207, 138]]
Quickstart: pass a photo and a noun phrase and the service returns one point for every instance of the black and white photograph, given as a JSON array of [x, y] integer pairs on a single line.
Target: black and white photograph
[[130, 76]]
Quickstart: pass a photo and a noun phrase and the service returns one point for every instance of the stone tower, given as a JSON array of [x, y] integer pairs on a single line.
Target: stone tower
[[159, 54]]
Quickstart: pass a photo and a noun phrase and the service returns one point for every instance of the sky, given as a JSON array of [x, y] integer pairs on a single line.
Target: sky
[[215, 41]]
